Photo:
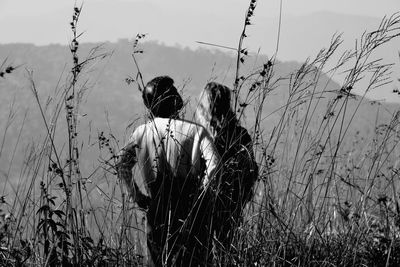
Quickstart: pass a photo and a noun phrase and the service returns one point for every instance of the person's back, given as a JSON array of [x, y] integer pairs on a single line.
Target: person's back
[[176, 159], [173, 145]]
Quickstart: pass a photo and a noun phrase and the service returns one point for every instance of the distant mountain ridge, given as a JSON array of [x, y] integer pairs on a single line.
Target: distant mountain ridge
[[300, 36], [110, 104]]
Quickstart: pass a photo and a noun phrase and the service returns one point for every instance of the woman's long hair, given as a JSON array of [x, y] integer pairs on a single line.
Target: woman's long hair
[[215, 113]]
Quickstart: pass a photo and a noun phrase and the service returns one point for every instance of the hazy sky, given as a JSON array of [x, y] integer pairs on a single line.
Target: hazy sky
[[20, 19], [360, 7], [186, 21]]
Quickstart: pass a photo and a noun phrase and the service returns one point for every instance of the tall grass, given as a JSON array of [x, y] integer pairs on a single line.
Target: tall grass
[[323, 198], [320, 201]]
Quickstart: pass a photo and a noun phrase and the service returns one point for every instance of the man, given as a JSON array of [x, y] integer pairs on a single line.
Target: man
[[177, 160]]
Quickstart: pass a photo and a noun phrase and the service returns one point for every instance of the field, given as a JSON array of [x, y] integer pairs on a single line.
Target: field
[[326, 195]]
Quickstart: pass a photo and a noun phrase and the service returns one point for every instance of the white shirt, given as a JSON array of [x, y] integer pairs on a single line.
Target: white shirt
[[184, 147]]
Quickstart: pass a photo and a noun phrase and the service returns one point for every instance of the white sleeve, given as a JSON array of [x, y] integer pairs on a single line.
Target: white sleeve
[[210, 155], [126, 160]]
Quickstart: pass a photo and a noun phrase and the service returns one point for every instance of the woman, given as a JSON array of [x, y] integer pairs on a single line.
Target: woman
[[234, 145]]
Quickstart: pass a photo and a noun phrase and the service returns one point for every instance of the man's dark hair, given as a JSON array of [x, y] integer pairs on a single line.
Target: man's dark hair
[[161, 97]]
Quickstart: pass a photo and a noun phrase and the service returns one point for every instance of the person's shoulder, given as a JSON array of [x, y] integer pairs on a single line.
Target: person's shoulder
[[139, 129], [190, 123], [242, 131], [182, 123], [158, 124], [138, 132], [152, 124], [194, 126], [244, 135]]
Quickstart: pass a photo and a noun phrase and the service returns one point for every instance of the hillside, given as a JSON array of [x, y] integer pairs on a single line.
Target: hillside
[[301, 36], [110, 104]]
